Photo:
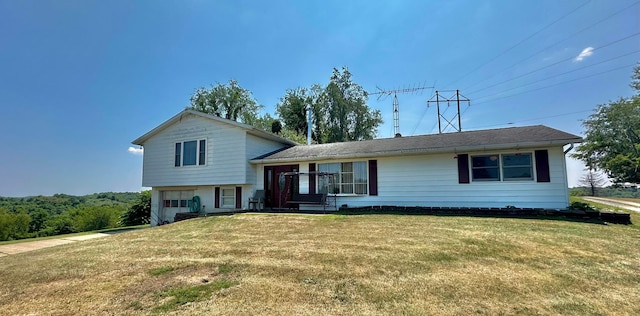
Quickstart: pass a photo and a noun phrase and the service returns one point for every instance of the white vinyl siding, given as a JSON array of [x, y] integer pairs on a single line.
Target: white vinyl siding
[[432, 180], [224, 154]]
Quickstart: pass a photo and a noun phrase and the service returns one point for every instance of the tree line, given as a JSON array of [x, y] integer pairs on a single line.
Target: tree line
[[339, 109], [41, 216]]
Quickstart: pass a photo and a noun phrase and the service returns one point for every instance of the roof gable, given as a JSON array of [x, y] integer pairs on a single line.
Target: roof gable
[[176, 118], [514, 137]]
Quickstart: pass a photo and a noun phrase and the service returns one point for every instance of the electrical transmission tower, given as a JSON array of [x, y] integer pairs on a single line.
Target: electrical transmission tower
[[457, 98], [381, 93]]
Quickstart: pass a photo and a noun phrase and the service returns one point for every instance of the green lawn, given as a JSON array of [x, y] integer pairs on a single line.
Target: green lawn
[[310, 265]]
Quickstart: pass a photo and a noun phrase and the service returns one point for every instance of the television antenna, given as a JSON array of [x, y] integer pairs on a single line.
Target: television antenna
[[383, 94]]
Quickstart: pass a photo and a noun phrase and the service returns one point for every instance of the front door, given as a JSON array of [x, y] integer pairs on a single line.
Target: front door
[[274, 196]]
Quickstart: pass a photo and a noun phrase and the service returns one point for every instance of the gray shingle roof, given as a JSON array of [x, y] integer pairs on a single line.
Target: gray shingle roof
[[521, 137]]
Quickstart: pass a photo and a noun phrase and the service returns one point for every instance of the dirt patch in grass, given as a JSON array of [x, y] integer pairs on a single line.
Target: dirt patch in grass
[[310, 265]]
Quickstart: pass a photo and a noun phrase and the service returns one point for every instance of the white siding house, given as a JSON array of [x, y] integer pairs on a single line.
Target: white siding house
[[223, 163], [195, 154]]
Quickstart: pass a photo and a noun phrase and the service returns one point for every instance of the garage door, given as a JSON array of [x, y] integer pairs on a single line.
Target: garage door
[[175, 202]]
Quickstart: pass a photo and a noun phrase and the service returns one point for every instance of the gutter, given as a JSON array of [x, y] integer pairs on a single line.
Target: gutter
[[419, 151]]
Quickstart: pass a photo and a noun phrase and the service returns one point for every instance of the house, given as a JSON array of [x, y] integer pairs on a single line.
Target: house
[[224, 162]]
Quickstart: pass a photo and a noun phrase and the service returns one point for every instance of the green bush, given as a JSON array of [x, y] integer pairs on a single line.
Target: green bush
[[581, 206], [96, 218], [14, 225], [140, 212]]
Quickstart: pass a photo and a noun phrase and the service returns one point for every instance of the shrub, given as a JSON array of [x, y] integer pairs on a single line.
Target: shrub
[[140, 212]]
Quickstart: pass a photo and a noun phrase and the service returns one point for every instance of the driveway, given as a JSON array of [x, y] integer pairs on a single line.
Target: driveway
[[25, 246], [627, 205]]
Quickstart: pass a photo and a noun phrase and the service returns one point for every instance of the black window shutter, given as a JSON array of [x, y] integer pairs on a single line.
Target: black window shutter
[[217, 198], [463, 168], [238, 197], [542, 166], [373, 177], [312, 178]]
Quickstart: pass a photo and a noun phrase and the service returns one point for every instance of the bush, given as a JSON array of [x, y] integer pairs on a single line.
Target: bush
[[96, 218], [14, 225], [140, 212], [581, 206]]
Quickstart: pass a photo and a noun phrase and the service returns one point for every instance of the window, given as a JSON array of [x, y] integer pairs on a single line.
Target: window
[[203, 149], [190, 153], [228, 197], [505, 167], [485, 168], [178, 151], [349, 178], [517, 167]]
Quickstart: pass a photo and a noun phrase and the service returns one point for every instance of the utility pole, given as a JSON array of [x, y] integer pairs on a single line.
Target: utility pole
[[457, 97], [381, 93]]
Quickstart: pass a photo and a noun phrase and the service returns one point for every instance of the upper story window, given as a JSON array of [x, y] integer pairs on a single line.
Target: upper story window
[[503, 167], [349, 178], [190, 153]]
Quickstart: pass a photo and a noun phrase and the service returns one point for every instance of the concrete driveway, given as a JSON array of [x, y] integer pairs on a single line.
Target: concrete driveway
[[627, 205], [25, 246]]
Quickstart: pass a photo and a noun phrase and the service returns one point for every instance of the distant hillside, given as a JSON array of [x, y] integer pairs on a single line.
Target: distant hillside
[[37, 216]]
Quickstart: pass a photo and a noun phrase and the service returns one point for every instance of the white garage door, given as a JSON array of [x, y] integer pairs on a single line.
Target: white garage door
[[175, 202]]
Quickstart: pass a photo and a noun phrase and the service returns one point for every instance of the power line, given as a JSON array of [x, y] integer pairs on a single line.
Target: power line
[[522, 41], [425, 111], [556, 63], [553, 85], [567, 72], [558, 42], [534, 119]]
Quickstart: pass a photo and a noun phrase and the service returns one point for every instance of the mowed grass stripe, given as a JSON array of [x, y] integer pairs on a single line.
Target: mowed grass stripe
[[309, 265]]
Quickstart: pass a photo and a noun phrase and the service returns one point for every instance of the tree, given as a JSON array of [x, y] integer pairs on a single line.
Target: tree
[[612, 141], [228, 101], [347, 115], [593, 180], [292, 109], [140, 212], [339, 111]]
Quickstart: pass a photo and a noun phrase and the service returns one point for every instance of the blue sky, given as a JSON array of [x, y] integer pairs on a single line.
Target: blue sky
[[79, 80]]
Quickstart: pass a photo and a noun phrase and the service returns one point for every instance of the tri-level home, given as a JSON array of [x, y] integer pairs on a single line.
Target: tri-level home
[[223, 163]]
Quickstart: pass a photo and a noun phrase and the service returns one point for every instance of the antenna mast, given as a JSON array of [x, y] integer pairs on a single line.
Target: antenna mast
[[382, 94]]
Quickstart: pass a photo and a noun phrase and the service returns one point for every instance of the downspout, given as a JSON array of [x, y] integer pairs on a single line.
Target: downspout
[[566, 176], [568, 149]]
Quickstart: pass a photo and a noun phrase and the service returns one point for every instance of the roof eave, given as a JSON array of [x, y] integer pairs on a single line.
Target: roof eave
[[252, 130], [522, 145]]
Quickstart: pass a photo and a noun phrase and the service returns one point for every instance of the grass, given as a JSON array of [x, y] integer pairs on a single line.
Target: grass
[[307, 265]]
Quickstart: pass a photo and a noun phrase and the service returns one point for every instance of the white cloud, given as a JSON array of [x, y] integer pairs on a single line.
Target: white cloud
[[135, 151], [584, 54]]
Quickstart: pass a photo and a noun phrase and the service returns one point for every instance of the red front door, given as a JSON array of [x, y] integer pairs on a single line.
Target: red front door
[[275, 197]]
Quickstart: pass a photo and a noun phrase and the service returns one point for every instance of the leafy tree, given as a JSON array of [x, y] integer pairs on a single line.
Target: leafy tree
[[276, 127], [292, 109], [96, 217], [612, 141], [140, 212], [339, 110], [13, 225], [593, 180], [229, 101]]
